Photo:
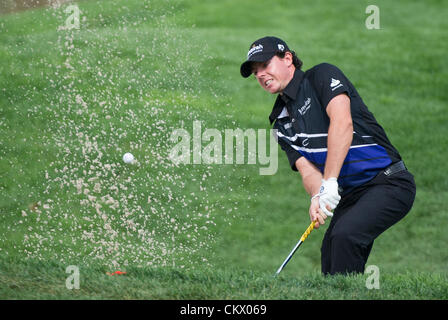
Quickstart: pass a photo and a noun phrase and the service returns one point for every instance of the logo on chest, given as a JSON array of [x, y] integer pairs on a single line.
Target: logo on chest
[[306, 106]]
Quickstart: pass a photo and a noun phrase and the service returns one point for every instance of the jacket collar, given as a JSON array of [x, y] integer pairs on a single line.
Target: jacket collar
[[289, 94]]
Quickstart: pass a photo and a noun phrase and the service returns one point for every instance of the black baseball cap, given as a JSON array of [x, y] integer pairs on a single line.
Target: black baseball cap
[[262, 50]]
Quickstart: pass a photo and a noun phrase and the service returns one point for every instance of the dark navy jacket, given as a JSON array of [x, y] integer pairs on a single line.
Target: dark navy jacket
[[300, 117]]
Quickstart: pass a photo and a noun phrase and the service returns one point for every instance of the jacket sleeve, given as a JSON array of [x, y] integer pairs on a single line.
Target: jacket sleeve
[[329, 82]]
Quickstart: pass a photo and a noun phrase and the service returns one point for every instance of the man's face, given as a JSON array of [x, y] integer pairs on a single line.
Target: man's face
[[274, 75]]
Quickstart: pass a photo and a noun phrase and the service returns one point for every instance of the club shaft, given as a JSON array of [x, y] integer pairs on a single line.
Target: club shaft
[[302, 238], [289, 256]]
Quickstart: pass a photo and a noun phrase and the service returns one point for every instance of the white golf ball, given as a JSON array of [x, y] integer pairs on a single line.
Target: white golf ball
[[128, 157]]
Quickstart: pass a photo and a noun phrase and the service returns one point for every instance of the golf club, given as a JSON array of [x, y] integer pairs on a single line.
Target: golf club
[[302, 239]]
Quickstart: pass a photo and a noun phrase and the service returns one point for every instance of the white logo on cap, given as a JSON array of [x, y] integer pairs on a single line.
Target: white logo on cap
[[281, 47], [254, 49]]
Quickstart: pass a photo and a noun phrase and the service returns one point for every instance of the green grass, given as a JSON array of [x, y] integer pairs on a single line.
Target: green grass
[[72, 102], [48, 281]]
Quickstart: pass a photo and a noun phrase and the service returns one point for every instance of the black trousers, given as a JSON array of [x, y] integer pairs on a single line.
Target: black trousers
[[361, 217]]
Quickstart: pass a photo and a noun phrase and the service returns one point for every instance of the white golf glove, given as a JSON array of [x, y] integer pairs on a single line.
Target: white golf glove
[[329, 195]]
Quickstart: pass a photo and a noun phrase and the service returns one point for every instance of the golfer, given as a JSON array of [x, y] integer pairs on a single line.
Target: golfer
[[349, 167]]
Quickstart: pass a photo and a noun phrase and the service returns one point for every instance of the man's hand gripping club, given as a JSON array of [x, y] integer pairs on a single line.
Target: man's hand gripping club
[[325, 201]]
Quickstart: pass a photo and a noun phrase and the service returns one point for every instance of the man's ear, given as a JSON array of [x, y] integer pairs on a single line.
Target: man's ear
[[288, 58]]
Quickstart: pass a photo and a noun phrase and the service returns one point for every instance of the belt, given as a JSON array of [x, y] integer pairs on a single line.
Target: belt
[[394, 168]]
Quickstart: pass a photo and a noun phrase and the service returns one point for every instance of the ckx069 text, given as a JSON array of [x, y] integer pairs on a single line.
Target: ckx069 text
[[240, 309]]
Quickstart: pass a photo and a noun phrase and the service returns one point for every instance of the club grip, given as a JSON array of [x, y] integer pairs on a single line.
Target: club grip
[[307, 231]]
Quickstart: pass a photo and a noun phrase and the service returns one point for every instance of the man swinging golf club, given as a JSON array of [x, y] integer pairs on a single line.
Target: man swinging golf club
[[348, 166]]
